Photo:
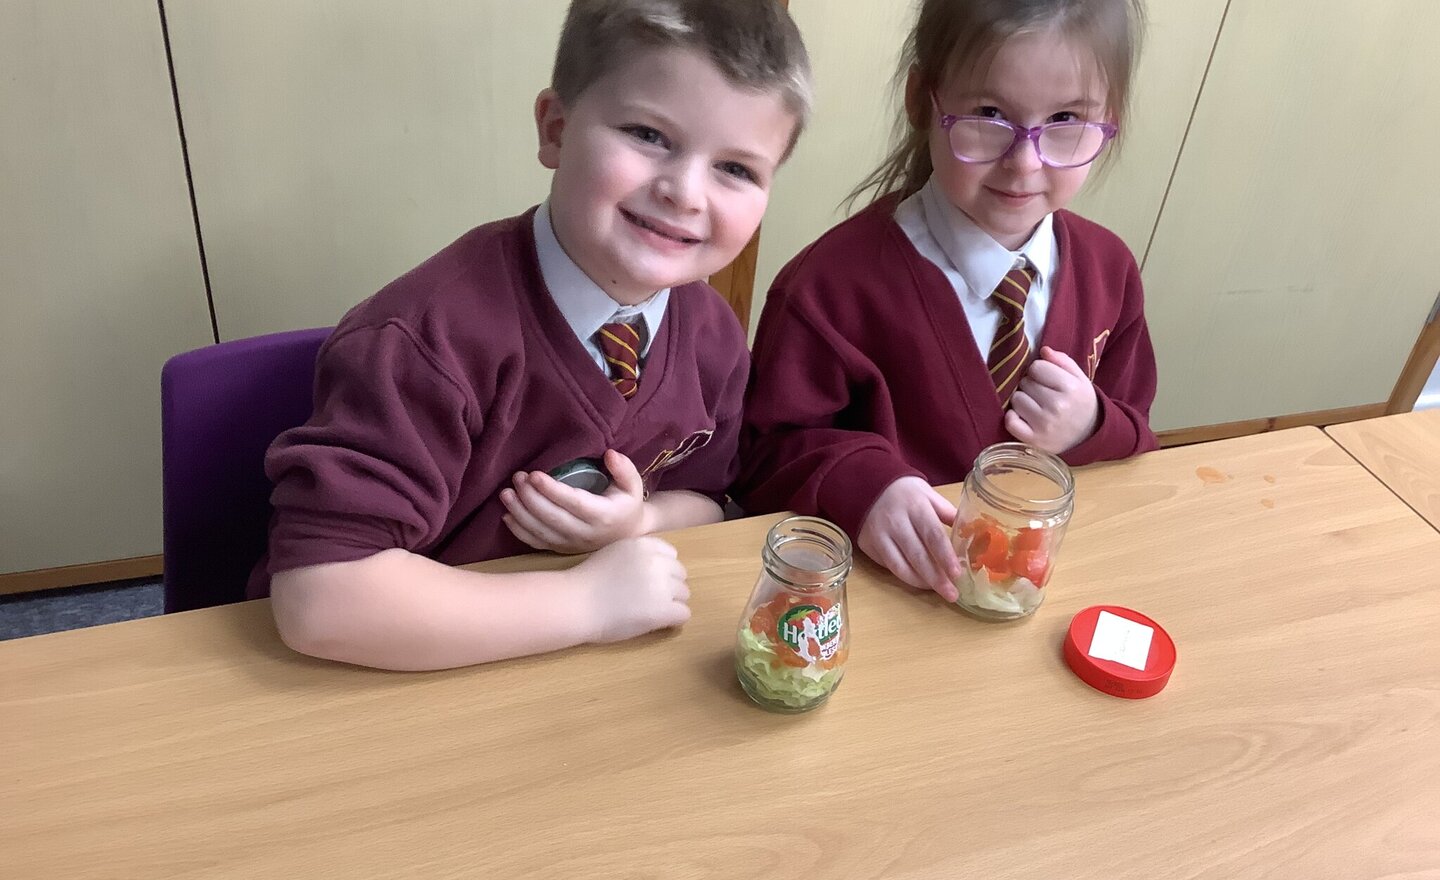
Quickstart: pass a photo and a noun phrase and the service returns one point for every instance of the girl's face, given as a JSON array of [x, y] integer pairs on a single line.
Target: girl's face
[[1033, 79]]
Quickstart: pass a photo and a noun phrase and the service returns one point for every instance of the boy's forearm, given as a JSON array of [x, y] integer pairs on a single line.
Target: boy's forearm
[[397, 610], [679, 509]]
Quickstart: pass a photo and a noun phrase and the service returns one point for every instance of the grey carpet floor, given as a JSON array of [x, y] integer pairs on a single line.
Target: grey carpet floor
[[31, 614]]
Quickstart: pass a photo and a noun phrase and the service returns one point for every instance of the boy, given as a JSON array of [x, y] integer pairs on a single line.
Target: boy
[[576, 331]]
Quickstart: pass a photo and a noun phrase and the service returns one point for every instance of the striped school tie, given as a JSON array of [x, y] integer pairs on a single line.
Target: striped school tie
[[1010, 352], [620, 343]]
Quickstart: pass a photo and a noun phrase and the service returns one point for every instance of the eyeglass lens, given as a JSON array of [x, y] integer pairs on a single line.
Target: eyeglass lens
[[1063, 144]]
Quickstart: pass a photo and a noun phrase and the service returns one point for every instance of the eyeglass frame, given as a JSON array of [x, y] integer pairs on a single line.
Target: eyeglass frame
[[1032, 134]]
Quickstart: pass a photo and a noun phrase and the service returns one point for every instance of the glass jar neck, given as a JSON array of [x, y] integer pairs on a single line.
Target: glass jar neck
[[807, 554], [1023, 479]]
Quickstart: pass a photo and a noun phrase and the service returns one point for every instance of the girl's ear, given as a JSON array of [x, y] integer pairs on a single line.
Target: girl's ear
[[917, 99], [549, 127]]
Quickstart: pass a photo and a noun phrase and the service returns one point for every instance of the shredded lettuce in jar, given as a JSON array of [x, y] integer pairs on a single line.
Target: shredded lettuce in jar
[[1010, 596], [793, 686]]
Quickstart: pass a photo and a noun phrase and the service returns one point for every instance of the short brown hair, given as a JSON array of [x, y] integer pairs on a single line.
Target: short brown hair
[[961, 37], [753, 43]]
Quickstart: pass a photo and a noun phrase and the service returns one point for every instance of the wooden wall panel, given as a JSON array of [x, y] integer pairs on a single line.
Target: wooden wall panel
[[1292, 269], [336, 143], [99, 278], [1126, 194], [853, 45]]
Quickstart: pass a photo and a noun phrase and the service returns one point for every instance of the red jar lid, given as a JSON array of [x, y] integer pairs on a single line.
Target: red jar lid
[[1131, 657]]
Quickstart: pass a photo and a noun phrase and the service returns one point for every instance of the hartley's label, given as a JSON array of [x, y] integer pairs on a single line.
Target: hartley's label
[[811, 633]]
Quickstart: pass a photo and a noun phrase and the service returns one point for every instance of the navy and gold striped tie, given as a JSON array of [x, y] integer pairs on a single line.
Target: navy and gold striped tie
[[1010, 352], [620, 343]]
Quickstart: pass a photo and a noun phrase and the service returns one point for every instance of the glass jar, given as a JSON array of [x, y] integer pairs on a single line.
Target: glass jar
[[794, 637], [1009, 523]]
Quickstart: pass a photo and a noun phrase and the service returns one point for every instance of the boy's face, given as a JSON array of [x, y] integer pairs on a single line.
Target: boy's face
[[662, 171]]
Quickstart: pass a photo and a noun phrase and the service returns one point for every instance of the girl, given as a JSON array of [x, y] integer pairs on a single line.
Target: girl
[[964, 306]]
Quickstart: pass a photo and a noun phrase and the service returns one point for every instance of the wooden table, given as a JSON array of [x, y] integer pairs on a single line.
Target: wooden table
[[1299, 736], [1403, 452]]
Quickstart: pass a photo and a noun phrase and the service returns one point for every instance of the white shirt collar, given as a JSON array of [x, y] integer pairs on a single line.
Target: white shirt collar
[[981, 260], [581, 301]]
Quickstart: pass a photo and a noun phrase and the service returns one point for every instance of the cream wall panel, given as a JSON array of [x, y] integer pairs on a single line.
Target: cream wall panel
[[855, 44], [1293, 266], [1126, 195], [336, 143], [99, 278]]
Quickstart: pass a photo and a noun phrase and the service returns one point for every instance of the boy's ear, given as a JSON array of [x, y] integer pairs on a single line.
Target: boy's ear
[[549, 127], [917, 99]]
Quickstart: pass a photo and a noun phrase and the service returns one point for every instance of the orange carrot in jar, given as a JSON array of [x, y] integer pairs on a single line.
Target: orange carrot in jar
[[1033, 565], [989, 548], [1028, 539]]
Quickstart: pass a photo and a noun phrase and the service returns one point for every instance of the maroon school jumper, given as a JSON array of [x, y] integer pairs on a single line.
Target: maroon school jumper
[[865, 368], [430, 395]]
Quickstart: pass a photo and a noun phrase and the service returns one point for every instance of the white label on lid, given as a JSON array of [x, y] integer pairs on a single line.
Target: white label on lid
[[1121, 640]]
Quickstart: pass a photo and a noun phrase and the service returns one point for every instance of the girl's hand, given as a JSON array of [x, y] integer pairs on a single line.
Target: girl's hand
[[906, 531], [1055, 407], [549, 515], [633, 586]]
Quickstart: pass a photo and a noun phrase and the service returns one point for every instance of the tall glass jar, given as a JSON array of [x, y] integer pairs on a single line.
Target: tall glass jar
[[794, 636], [1009, 523]]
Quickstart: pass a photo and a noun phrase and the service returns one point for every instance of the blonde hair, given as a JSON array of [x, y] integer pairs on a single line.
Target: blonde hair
[[961, 38], [754, 44]]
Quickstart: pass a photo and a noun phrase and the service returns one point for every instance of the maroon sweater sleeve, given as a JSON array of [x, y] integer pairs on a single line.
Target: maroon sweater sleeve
[[379, 463], [806, 444], [1125, 381]]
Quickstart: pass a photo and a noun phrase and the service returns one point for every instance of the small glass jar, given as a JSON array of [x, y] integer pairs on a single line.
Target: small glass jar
[[794, 637], [1009, 523]]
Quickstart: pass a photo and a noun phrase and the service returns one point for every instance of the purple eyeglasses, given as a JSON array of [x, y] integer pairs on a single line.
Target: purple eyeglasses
[[980, 139]]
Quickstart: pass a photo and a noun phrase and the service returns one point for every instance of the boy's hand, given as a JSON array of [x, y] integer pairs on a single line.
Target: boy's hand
[[906, 531], [549, 515], [1054, 407], [634, 586]]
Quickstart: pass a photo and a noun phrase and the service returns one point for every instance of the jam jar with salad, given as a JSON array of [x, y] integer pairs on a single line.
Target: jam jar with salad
[[1017, 501], [794, 636]]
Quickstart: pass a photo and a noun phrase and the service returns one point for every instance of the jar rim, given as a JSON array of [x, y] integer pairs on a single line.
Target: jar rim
[[815, 530], [1037, 461]]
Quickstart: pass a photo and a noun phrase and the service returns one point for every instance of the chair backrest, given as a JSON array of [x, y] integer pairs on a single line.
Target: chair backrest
[[220, 408]]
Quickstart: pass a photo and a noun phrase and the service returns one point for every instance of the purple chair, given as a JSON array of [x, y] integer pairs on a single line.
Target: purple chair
[[220, 407]]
